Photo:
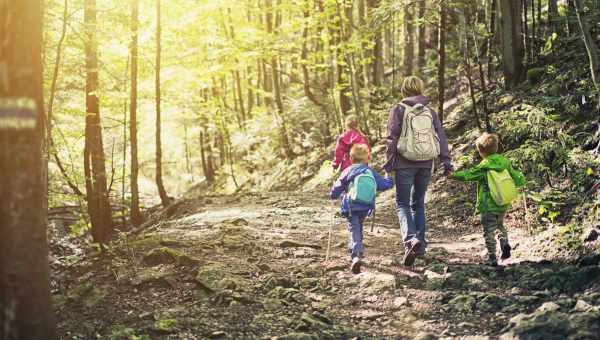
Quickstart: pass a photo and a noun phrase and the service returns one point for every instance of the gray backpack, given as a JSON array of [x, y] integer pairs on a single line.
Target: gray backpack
[[418, 139]]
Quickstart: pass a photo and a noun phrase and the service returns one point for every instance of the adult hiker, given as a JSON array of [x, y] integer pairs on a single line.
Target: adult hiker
[[352, 136], [415, 138]]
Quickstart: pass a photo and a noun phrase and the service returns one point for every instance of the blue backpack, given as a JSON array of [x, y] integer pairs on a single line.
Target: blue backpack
[[363, 188]]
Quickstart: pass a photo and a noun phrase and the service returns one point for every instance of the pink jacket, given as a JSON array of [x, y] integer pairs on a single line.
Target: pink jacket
[[343, 146]]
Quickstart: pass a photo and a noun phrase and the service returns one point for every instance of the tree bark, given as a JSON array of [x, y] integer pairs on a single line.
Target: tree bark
[[491, 38], [533, 30], [285, 143], [512, 43], [378, 69], [467, 65], [94, 160], [54, 82], [552, 14], [421, 61], [590, 44], [25, 307], [441, 72], [136, 215], [206, 155], [304, 62], [526, 36], [164, 198], [344, 33], [571, 11], [409, 41]]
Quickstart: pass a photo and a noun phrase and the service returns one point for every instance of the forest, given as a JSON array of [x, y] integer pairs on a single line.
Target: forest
[[166, 167]]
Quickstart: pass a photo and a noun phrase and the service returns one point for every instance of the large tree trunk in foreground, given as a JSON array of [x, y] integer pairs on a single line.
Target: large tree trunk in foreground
[[99, 208], [25, 308], [136, 215], [590, 44], [164, 198], [512, 44]]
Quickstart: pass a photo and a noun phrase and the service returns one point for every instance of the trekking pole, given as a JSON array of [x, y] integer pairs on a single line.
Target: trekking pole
[[527, 219], [332, 222], [330, 231], [373, 220]]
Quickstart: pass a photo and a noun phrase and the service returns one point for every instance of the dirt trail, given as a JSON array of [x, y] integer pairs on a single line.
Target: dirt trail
[[252, 266]]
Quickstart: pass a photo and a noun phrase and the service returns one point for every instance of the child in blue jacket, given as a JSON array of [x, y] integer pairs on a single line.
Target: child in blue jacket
[[356, 212]]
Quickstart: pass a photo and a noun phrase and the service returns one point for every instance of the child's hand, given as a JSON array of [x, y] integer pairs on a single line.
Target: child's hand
[[448, 170]]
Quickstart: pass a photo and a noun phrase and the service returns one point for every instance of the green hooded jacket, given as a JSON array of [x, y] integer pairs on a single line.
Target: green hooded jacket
[[497, 162]]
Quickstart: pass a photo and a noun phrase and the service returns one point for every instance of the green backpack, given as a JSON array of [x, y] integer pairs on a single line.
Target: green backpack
[[502, 187], [363, 188]]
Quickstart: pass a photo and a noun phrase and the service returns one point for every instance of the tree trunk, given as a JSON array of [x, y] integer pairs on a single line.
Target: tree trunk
[[540, 34], [377, 49], [441, 58], [467, 65], [164, 198], [304, 62], [552, 15], [344, 34], [491, 38], [136, 215], [421, 61], [206, 155], [512, 43], [409, 41], [25, 307], [533, 31], [571, 12], [526, 37], [590, 45], [250, 92], [54, 82], [94, 160], [285, 143]]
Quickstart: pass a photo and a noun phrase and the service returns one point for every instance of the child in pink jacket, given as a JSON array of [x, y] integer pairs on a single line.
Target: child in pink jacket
[[345, 141]]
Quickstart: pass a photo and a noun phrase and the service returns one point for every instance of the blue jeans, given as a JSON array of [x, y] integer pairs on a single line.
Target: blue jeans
[[355, 233], [411, 185]]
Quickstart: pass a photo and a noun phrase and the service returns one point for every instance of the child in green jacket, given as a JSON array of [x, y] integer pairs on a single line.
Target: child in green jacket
[[492, 214]]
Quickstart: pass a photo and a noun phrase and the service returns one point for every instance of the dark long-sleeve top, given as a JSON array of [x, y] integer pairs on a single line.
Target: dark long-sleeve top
[[394, 160]]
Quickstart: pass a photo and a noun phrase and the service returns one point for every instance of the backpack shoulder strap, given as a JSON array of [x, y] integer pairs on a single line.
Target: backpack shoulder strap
[[403, 121]]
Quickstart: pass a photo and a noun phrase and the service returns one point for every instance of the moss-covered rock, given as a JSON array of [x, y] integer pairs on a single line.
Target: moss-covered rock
[[534, 75], [218, 276], [463, 303], [166, 255]]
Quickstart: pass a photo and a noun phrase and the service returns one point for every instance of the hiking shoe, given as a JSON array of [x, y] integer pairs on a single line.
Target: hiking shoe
[[505, 252], [411, 253], [355, 266], [491, 262]]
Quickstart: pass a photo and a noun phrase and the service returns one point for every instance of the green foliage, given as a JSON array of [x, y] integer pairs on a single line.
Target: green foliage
[[537, 142], [165, 325], [80, 227], [120, 332], [535, 74], [570, 236]]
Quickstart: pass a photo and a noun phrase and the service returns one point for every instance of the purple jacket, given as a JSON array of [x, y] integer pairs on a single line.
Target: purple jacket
[[344, 144], [394, 160]]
